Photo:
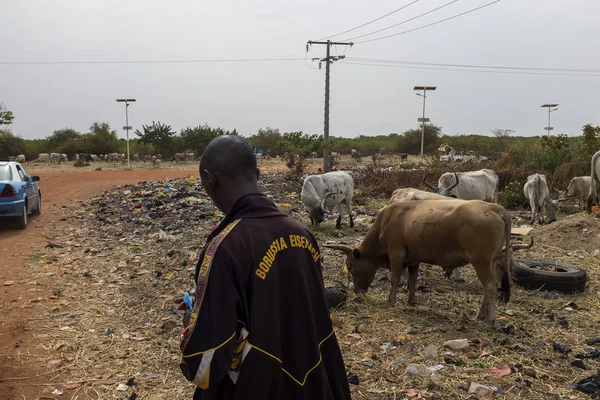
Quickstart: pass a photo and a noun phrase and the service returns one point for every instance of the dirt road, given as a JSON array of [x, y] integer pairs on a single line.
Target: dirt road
[[22, 354]]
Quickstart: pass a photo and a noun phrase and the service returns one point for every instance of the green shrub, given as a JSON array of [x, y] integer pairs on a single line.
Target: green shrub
[[512, 197]]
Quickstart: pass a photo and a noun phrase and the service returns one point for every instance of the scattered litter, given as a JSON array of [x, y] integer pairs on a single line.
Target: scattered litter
[[578, 364], [57, 392], [435, 367], [562, 321], [121, 387], [589, 385], [9, 283], [430, 351], [352, 378], [388, 346], [417, 369], [482, 390], [501, 371], [456, 344], [452, 361], [561, 349], [593, 341]]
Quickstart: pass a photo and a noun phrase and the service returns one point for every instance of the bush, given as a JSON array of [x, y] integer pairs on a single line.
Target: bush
[[512, 197]]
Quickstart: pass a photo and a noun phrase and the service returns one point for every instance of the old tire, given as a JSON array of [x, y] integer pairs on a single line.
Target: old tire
[[545, 274], [22, 220]]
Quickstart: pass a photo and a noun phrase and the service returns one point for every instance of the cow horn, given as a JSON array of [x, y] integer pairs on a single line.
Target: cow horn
[[341, 247], [455, 184], [521, 246], [427, 183]]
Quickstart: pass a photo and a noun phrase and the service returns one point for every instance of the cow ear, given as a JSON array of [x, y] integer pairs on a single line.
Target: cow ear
[[356, 253]]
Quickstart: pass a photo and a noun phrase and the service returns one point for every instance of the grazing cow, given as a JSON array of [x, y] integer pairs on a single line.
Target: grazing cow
[[122, 158], [85, 157], [536, 191], [44, 157], [410, 194], [313, 154], [595, 171], [579, 188], [95, 157], [472, 185], [54, 158], [159, 156], [136, 158], [156, 162], [448, 233], [147, 158], [112, 157], [403, 157], [20, 158], [63, 157], [180, 157], [191, 156], [336, 156], [320, 193], [356, 156]]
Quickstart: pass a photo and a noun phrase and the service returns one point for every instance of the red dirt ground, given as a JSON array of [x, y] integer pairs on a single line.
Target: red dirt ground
[[18, 323]]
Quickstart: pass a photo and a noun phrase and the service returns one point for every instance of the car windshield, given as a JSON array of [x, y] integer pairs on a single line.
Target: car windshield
[[5, 174]]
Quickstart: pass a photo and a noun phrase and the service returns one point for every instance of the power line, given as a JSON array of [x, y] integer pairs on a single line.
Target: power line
[[469, 70], [405, 21], [370, 22], [433, 23], [471, 65], [224, 60]]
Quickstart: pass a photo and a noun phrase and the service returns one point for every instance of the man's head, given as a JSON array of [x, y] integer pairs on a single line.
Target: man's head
[[228, 170]]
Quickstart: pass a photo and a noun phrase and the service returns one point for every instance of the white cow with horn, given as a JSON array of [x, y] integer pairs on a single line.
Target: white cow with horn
[[320, 193]]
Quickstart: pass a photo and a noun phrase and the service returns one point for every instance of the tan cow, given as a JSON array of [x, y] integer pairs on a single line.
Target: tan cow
[[448, 233], [411, 194], [180, 157], [147, 157]]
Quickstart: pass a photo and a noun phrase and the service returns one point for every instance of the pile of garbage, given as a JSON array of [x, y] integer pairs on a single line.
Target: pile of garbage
[[167, 208]]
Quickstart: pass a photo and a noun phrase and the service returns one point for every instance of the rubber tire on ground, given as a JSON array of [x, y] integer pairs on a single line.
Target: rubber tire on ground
[[22, 220], [38, 211], [571, 280]]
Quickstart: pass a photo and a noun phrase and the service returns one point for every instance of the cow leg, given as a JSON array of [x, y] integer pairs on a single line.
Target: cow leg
[[397, 267], [413, 272], [487, 313], [349, 209]]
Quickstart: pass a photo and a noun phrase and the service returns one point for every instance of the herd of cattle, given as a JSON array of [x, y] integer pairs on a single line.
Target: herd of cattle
[[456, 224], [57, 158]]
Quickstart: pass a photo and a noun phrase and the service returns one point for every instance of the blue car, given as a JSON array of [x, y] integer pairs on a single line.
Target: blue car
[[19, 194]]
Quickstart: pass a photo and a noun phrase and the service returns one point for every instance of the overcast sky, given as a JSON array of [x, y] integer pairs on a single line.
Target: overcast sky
[[289, 95]]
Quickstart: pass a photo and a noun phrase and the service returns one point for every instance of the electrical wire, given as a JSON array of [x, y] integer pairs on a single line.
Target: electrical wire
[[431, 24], [502, 67], [468, 70], [403, 22], [370, 22], [149, 61]]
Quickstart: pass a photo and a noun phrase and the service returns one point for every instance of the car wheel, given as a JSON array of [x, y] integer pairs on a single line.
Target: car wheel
[[38, 211], [22, 220], [547, 274]]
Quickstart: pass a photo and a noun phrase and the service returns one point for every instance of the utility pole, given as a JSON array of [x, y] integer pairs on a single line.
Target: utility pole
[[550, 109], [328, 60], [423, 120], [127, 127]]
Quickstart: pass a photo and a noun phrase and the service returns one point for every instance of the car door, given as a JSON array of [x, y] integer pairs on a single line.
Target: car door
[[34, 196], [29, 188]]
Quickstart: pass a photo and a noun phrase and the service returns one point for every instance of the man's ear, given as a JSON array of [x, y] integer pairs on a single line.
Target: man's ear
[[212, 179]]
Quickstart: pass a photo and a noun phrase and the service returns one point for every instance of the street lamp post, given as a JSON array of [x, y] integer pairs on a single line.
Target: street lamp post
[[127, 127], [550, 109], [423, 120]]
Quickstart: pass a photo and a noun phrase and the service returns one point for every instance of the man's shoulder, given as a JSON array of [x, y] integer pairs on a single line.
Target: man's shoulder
[[267, 227]]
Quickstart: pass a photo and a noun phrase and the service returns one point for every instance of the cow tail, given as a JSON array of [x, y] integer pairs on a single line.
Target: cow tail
[[592, 193], [505, 282]]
